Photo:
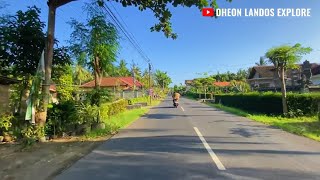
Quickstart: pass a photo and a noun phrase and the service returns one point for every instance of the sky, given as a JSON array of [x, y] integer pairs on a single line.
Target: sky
[[204, 44]]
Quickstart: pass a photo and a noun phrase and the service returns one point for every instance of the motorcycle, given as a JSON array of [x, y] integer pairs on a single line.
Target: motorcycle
[[175, 103]]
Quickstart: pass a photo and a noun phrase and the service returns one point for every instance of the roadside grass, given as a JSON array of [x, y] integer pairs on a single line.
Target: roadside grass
[[155, 102], [122, 120], [117, 122], [303, 126], [190, 97], [230, 109]]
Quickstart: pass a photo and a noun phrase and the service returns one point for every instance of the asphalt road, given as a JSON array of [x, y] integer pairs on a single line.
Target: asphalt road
[[196, 141]]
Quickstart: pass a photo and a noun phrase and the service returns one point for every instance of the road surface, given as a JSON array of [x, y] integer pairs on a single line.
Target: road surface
[[196, 141]]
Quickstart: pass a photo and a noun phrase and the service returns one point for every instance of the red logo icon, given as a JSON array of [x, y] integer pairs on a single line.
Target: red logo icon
[[207, 12]]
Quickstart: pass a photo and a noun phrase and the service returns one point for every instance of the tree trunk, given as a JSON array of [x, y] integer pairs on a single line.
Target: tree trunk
[[97, 73], [48, 63], [96, 77], [283, 91], [20, 101], [205, 93], [22, 93]]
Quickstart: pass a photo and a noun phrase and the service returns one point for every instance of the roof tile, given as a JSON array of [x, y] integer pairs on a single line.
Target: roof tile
[[113, 81]]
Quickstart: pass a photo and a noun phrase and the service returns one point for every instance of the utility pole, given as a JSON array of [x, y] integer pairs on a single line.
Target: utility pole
[[52, 7], [133, 75], [134, 78], [150, 83]]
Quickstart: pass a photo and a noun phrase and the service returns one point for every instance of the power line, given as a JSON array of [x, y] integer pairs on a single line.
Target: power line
[[125, 25], [129, 36], [132, 40], [122, 20], [74, 10]]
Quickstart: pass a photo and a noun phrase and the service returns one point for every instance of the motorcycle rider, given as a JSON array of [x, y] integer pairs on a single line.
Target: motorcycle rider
[[175, 97]]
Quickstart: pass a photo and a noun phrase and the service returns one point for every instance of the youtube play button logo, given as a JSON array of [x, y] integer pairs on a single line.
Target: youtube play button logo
[[207, 12]]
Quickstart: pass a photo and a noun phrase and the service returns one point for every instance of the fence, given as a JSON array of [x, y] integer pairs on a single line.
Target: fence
[[129, 94], [4, 98]]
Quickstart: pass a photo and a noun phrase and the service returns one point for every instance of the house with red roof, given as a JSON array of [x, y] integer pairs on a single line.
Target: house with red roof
[[115, 83], [222, 84], [189, 83]]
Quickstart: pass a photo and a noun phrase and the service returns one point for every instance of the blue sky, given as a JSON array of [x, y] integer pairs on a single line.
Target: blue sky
[[204, 44]]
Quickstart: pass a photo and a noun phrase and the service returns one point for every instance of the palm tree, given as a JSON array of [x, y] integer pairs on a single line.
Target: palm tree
[[81, 74], [261, 62], [122, 69]]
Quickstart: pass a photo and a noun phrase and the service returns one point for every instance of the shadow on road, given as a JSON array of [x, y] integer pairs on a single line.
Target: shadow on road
[[188, 144], [172, 157], [246, 132], [171, 116], [200, 107], [267, 173], [163, 107]]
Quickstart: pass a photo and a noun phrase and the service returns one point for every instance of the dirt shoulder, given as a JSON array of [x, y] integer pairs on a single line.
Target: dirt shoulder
[[43, 160], [46, 160]]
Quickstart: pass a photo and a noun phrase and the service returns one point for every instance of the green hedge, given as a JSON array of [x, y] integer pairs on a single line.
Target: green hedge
[[191, 95], [68, 115], [270, 103], [110, 109], [307, 103], [197, 95], [139, 100]]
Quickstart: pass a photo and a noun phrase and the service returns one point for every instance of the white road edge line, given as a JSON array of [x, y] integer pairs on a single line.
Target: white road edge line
[[212, 154], [182, 108]]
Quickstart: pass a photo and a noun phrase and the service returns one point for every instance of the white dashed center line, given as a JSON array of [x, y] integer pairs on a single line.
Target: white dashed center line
[[182, 108], [212, 154]]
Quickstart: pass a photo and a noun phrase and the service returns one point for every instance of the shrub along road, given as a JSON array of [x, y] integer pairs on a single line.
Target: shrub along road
[[196, 141], [45, 160]]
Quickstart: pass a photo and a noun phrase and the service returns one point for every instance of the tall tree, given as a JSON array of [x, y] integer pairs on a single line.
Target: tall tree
[[159, 8], [240, 86], [206, 82], [61, 59], [284, 57], [241, 75], [22, 42], [122, 69], [145, 79], [80, 73], [64, 84], [196, 83], [162, 79], [136, 72], [262, 62], [98, 40]]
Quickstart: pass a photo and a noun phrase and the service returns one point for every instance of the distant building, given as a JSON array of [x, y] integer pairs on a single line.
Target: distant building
[[266, 77], [315, 74], [115, 83], [261, 77], [188, 82], [221, 84]]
